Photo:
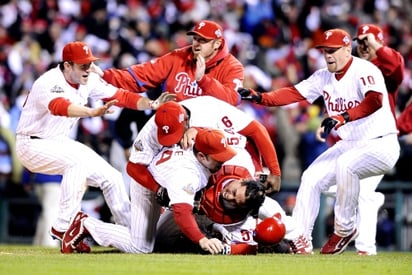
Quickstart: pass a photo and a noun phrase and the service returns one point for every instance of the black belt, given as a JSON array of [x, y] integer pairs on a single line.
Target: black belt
[[34, 137]]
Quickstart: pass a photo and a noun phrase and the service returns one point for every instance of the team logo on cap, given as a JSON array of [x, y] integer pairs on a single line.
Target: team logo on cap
[[165, 129], [181, 117], [365, 29], [218, 33], [201, 25], [328, 34], [86, 49]]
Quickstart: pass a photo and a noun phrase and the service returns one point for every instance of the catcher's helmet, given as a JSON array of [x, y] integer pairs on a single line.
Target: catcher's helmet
[[270, 231]]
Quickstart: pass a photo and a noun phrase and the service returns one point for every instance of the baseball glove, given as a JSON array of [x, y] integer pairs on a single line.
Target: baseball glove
[[164, 97], [162, 197]]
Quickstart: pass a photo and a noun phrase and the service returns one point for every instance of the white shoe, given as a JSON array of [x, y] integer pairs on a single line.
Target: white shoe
[[366, 253], [301, 245]]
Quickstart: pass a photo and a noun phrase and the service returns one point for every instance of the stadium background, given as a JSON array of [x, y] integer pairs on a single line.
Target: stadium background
[[272, 39]]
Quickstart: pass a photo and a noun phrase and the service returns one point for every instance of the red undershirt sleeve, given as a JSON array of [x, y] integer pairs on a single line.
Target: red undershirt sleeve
[[126, 99], [184, 218], [371, 103], [59, 106], [140, 174], [259, 135], [282, 96]]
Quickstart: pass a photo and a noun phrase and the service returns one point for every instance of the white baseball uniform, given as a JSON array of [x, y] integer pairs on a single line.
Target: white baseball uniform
[[43, 145], [369, 145]]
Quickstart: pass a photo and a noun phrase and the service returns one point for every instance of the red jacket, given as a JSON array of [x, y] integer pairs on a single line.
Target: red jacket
[[404, 122], [175, 71], [392, 66]]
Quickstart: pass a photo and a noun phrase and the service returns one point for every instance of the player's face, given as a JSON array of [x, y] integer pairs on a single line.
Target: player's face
[[206, 48], [78, 73], [364, 51], [233, 195], [336, 58], [209, 162]]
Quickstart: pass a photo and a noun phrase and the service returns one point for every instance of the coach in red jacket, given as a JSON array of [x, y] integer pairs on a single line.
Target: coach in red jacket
[[204, 68]]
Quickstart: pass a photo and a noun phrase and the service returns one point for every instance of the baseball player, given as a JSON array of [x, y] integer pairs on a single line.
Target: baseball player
[[204, 68], [356, 100], [182, 177], [234, 220], [55, 103], [371, 47]]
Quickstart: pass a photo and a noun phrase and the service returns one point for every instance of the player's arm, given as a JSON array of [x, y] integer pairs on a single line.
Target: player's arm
[[392, 65], [141, 77], [135, 101], [185, 220], [256, 132], [279, 97], [63, 107], [141, 174], [226, 87]]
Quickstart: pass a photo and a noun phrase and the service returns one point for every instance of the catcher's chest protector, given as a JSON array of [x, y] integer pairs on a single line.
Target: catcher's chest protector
[[210, 203]]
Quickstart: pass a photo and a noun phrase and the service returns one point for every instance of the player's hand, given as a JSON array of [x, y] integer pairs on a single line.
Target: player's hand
[[320, 134], [334, 122], [164, 97], [226, 235], [104, 109], [96, 69], [162, 197], [250, 95], [271, 183], [368, 40], [188, 138], [200, 67], [213, 246]]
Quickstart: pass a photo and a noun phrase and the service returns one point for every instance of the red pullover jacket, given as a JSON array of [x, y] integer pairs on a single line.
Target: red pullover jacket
[[175, 72]]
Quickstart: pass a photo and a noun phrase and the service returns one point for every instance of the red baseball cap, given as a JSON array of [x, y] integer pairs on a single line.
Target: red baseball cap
[[213, 143], [207, 29], [370, 28], [170, 119], [334, 38], [78, 52]]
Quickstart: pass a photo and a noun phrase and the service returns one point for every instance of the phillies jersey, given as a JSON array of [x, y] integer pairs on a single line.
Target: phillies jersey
[[348, 92], [209, 112], [205, 111], [175, 73], [36, 119], [180, 173]]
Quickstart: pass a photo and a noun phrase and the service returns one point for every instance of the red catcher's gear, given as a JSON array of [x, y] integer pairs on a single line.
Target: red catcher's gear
[[210, 203]]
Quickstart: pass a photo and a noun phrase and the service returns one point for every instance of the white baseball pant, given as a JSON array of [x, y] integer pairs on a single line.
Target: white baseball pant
[[80, 166]]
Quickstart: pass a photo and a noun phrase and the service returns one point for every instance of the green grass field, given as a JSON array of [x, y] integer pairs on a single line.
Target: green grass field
[[15, 259]]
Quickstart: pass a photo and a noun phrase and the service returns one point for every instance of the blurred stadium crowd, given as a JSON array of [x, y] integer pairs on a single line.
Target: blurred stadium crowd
[[272, 38]]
